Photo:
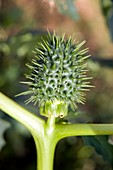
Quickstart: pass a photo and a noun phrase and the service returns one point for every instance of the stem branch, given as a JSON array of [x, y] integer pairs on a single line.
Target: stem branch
[[63, 131], [28, 119]]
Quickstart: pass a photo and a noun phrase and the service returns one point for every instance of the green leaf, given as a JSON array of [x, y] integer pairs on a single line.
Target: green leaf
[[67, 7], [22, 44], [4, 125], [10, 16], [85, 152], [107, 7], [101, 145]]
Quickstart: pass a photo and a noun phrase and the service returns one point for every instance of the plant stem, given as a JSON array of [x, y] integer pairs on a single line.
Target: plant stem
[[28, 119], [42, 132], [45, 153], [45, 146], [50, 123], [63, 131]]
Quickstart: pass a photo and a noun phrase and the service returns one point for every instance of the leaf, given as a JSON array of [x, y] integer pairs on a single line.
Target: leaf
[[67, 7], [22, 44], [10, 16], [101, 145], [85, 152], [4, 125], [107, 7]]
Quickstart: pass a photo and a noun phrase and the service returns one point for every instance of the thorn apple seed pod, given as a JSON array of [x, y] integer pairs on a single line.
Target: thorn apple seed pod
[[57, 75]]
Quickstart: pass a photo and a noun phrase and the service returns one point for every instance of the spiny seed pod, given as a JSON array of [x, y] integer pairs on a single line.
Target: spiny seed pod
[[57, 75]]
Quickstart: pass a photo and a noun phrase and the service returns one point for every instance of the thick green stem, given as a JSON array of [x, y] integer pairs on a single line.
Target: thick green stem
[[28, 119], [45, 152], [45, 146], [63, 131]]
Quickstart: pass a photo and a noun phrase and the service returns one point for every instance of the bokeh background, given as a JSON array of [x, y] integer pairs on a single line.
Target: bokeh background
[[22, 23]]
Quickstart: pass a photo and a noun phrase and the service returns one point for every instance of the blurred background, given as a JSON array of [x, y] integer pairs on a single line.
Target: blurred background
[[22, 23]]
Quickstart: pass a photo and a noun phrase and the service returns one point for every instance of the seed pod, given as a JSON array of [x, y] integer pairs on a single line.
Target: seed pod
[[57, 75]]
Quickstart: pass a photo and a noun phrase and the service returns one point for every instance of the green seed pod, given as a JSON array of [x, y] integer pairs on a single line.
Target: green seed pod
[[57, 75]]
